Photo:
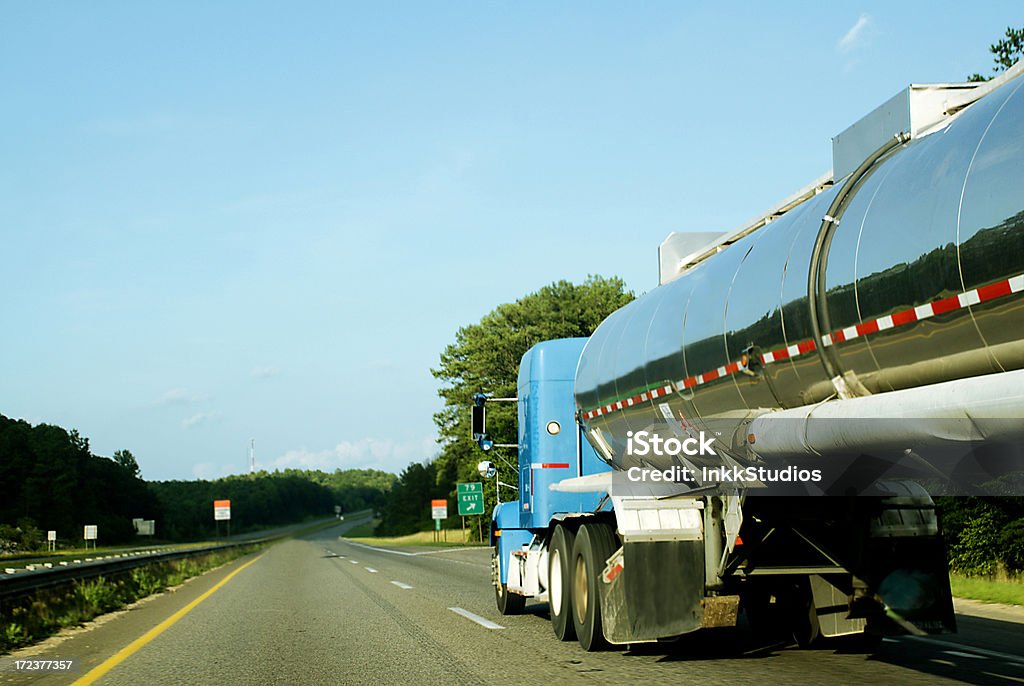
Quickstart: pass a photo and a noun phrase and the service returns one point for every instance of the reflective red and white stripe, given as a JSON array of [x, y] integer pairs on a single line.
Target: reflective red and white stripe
[[910, 315], [652, 394]]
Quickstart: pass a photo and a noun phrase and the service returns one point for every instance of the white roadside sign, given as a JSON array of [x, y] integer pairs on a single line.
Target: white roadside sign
[[439, 509], [221, 510]]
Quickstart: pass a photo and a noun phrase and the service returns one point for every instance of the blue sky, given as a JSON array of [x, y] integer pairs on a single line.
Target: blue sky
[[235, 220]]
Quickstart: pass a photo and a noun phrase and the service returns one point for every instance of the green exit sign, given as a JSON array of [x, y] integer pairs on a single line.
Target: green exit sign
[[471, 498]]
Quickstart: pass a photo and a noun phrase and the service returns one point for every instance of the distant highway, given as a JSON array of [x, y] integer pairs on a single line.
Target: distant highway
[[325, 610]]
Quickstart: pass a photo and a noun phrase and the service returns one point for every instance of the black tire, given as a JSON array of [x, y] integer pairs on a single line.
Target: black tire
[[595, 543], [804, 625], [508, 603], [761, 614], [560, 582]]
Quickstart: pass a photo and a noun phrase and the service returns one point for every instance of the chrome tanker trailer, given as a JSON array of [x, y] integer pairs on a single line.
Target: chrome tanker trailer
[[763, 432]]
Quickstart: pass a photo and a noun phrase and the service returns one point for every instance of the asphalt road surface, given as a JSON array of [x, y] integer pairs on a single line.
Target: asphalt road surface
[[324, 610]]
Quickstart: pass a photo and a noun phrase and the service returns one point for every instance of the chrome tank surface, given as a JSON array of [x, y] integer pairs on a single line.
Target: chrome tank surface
[[922, 276]]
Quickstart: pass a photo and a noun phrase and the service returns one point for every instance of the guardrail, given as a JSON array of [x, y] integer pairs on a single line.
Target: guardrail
[[27, 582]]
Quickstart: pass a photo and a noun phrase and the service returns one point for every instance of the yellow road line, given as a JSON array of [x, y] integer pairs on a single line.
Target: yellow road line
[[120, 656]]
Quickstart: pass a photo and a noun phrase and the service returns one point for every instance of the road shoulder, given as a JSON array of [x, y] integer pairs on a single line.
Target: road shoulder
[[996, 611], [97, 640]]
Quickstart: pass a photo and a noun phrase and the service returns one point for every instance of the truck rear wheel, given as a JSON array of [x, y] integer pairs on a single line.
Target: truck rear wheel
[[595, 543], [560, 583], [803, 615]]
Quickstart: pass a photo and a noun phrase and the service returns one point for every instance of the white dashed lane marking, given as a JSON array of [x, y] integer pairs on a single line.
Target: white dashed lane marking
[[485, 623], [977, 653], [404, 587]]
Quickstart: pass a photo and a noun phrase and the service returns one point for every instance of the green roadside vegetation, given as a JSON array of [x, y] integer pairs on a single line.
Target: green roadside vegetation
[[450, 538], [1009, 591], [985, 545], [364, 530], [30, 618]]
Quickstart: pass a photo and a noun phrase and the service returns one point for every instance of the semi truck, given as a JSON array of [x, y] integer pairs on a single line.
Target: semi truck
[[761, 434]]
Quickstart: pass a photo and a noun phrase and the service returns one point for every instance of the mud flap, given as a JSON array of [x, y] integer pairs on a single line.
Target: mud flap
[[914, 585], [654, 590], [832, 595]]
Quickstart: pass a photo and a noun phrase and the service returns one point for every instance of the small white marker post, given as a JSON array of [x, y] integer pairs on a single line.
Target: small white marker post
[[91, 533]]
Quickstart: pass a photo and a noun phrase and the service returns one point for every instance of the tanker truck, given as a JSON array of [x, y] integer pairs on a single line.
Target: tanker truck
[[761, 435]]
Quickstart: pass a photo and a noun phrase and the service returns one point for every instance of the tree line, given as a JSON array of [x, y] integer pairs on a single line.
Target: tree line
[[51, 480]]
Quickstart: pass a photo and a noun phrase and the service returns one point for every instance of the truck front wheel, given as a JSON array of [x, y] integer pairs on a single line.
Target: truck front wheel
[[508, 603], [560, 583], [595, 543]]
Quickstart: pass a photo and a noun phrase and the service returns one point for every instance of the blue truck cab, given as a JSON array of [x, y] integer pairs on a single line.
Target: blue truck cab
[[551, 448]]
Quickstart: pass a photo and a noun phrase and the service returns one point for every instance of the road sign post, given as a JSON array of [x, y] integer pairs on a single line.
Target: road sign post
[[222, 512], [91, 533], [438, 511], [471, 501]]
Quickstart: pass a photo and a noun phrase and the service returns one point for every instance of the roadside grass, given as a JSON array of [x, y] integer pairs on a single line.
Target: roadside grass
[[1001, 589], [32, 617], [364, 530], [452, 538]]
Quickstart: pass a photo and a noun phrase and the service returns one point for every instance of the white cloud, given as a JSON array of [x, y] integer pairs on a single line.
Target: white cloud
[[264, 372], [855, 37], [365, 453], [179, 396], [198, 418]]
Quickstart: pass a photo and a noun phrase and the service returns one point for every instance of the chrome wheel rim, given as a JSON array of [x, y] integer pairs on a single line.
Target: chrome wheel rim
[[555, 583]]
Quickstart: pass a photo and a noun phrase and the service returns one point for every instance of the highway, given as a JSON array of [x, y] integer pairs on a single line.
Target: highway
[[325, 610]]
